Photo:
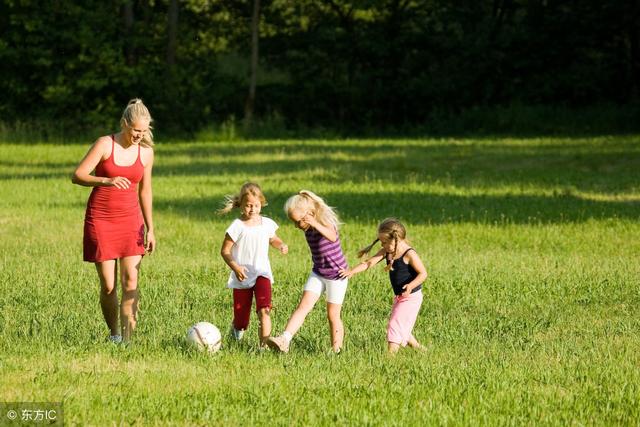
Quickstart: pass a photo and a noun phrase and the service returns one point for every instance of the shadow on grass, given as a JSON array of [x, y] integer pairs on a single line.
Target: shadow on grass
[[609, 166], [605, 167], [600, 166], [43, 170], [428, 208]]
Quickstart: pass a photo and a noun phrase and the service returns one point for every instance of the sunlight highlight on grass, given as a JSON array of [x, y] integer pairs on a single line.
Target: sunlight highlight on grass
[[531, 311]]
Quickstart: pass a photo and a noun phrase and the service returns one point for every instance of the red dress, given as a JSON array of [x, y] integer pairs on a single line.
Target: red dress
[[113, 223]]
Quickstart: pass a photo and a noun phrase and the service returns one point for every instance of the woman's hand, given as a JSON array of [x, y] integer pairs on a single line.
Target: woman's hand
[[119, 182], [284, 249], [151, 242]]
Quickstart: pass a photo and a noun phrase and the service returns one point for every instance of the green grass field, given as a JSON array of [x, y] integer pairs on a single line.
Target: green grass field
[[531, 311]]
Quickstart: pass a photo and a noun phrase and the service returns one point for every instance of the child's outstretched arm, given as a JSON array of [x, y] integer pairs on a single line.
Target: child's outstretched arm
[[364, 265], [418, 266], [277, 243], [239, 270]]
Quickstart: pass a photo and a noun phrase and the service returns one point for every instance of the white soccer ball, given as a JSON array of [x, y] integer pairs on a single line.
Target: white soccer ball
[[204, 336]]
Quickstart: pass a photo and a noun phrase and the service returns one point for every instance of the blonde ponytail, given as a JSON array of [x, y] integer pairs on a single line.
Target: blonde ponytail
[[136, 110], [230, 202]]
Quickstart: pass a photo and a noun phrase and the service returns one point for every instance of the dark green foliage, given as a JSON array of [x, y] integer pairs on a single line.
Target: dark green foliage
[[345, 65]]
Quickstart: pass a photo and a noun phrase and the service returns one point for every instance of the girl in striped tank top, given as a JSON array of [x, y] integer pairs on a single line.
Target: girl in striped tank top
[[320, 225]]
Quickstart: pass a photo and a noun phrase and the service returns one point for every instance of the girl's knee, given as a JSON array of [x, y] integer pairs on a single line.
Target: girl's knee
[[333, 312], [305, 307], [264, 312], [334, 318], [307, 302]]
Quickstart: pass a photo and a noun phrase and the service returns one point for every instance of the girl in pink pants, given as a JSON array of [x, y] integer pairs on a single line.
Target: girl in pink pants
[[406, 273]]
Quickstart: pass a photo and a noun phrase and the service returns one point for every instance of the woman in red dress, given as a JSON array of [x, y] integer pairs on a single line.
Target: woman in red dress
[[119, 207]]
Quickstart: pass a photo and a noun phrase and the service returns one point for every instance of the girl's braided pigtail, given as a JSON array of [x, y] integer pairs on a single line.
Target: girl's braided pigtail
[[362, 252]]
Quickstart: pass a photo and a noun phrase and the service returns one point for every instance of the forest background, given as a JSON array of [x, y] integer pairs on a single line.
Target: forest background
[[280, 68]]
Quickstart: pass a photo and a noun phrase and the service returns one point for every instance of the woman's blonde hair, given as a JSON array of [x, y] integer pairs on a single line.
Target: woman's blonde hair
[[392, 229], [136, 110], [308, 201], [235, 201]]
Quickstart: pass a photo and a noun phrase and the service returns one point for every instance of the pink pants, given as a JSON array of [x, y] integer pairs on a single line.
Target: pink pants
[[404, 313]]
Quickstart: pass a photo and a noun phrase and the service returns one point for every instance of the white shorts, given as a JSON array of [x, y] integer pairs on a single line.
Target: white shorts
[[335, 289]]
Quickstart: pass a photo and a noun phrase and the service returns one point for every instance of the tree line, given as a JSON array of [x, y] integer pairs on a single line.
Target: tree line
[[311, 63]]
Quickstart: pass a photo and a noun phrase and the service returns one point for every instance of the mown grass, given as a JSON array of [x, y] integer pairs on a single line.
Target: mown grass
[[531, 310]]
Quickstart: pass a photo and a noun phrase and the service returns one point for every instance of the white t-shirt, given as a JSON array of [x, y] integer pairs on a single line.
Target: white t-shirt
[[251, 250]]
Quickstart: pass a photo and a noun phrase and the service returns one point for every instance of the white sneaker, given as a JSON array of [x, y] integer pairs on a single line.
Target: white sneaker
[[278, 343], [237, 334], [116, 339]]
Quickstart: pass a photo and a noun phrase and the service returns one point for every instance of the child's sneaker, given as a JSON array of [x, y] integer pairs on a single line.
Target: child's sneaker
[[236, 333], [278, 343], [116, 339]]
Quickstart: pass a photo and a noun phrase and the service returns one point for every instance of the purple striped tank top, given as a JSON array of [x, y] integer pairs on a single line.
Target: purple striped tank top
[[327, 256]]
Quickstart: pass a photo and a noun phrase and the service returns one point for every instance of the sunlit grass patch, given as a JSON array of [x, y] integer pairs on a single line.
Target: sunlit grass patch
[[530, 313]]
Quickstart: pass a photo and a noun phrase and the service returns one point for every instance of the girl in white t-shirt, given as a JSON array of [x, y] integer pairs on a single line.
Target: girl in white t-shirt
[[245, 249]]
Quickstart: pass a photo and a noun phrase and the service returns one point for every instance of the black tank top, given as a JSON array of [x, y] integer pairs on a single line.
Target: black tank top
[[401, 274]]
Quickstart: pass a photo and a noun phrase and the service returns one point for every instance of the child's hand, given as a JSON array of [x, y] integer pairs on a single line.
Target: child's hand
[[241, 273], [407, 291], [310, 219], [284, 249], [345, 273]]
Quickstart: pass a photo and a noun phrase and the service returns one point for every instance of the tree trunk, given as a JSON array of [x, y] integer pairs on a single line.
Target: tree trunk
[[634, 51], [129, 49], [172, 32], [251, 98]]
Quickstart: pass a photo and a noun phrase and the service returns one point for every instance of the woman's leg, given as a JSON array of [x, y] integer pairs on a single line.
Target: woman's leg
[[336, 326], [107, 272], [129, 268]]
